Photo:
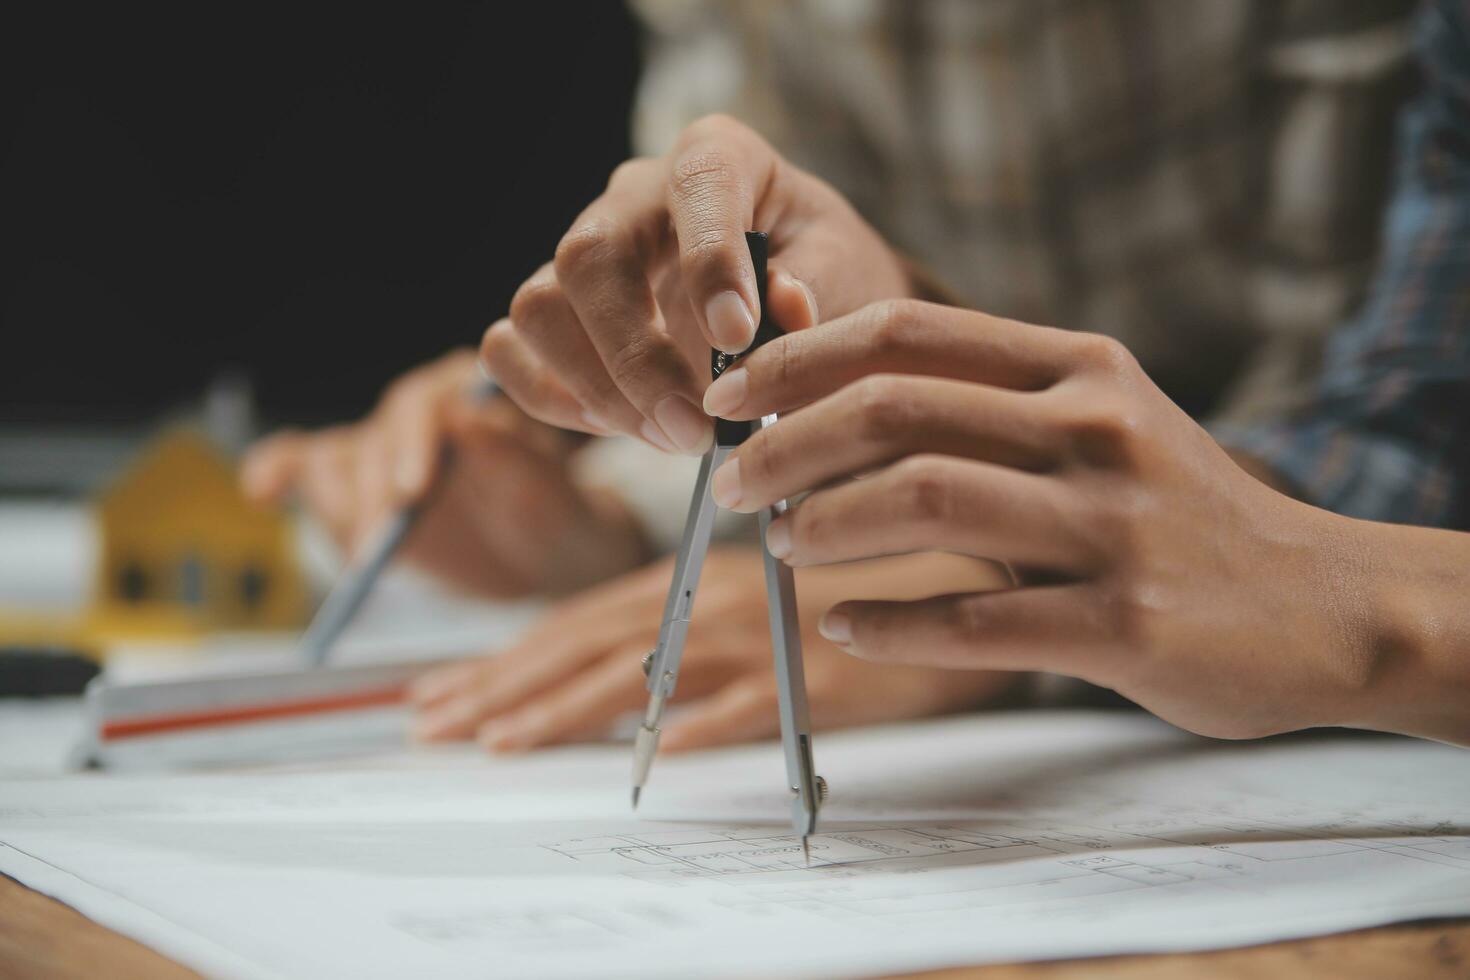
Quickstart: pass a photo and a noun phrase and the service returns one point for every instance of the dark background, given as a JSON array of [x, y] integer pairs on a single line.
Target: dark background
[[318, 198]]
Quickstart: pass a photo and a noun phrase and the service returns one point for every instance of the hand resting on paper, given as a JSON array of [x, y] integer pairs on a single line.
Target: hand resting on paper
[[579, 669]]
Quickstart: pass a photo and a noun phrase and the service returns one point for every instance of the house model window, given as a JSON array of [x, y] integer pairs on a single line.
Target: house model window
[[182, 550]]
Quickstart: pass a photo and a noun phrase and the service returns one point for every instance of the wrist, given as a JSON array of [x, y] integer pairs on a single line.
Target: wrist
[[1416, 632]]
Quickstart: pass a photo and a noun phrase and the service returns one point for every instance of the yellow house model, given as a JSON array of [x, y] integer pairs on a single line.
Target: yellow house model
[[183, 551]]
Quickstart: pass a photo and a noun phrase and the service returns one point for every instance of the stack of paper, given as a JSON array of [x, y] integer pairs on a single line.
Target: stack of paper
[[960, 841]]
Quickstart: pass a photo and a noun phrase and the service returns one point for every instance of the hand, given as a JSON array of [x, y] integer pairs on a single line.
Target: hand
[[1148, 561], [580, 668], [506, 520], [614, 334]]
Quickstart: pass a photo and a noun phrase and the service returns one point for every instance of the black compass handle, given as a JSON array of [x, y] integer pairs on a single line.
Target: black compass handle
[[728, 433]]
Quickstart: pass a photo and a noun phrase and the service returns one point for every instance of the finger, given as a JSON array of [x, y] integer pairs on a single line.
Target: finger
[[412, 444], [553, 651], [412, 419], [582, 707], [328, 483], [272, 466], [877, 420], [586, 704], [604, 264], [900, 337], [790, 300], [741, 712], [819, 254], [717, 172], [524, 377], [1051, 628], [937, 503], [441, 683], [544, 318], [679, 319], [373, 475], [631, 601], [410, 433], [503, 684]]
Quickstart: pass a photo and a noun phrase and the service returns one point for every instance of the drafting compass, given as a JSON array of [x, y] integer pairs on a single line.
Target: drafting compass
[[662, 664]]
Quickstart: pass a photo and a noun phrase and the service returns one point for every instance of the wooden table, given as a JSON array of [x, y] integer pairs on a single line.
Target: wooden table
[[40, 937]]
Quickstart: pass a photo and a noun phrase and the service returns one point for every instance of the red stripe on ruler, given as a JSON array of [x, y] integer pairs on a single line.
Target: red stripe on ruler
[[208, 717]]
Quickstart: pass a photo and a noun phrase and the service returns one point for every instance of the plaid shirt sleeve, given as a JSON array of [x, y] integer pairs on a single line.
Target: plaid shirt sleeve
[[1386, 436]]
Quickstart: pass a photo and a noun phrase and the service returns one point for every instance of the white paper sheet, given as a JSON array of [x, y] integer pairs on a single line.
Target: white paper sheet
[[39, 737], [961, 841]]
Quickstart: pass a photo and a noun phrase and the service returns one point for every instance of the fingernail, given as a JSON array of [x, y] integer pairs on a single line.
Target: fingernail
[[725, 486], [684, 424], [730, 322], [597, 422], [787, 280], [836, 627], [727, 393], [811, 298], [431, 727], [655, 435], [496, 736], [408, 476], [778, 539]]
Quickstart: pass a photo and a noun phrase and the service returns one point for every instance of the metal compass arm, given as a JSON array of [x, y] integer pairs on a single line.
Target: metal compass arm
[[662, 664]]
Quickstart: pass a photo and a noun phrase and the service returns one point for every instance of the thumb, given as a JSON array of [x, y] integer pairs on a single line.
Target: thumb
[[790, 301], [272, 467]]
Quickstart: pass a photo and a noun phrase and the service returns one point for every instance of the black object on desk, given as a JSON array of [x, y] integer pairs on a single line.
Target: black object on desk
[[41, 671]]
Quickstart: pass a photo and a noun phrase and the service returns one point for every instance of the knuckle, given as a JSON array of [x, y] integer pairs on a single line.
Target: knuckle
[[697, 174], [1106, 433], [808, 528], [707, 255], [407, 390], [779, 367], [332, 444], [589, 242], [881, 410], [928, 491], [640, 364], [536, 299], [1133, 615], [493, 343], [629, 172], [1103, 354], [971, 620], [762, 457], [894, 322]]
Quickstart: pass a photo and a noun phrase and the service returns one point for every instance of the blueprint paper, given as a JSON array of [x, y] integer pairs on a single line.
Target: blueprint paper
[[967, 840]]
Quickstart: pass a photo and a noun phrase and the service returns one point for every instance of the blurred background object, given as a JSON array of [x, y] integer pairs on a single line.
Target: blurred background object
[[182, 549], [303, 196], [218, 220]]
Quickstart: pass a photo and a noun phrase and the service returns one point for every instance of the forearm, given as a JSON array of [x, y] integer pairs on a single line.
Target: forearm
[[1416, 602]]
